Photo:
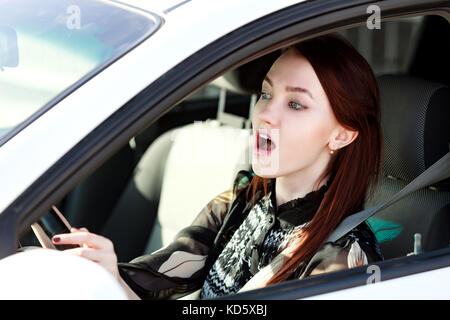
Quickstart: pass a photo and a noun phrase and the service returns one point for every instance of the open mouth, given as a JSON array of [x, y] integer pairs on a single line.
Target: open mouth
[[263, 142]]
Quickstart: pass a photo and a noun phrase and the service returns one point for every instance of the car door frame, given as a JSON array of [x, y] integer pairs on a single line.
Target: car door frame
[[269, 33]]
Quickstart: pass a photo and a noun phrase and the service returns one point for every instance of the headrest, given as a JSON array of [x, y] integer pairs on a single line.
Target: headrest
[[415, 116]]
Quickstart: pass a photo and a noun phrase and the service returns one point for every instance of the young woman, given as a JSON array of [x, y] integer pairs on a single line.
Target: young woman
[[317, 151]]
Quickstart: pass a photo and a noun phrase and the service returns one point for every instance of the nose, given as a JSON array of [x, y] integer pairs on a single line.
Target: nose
[[268, 115]]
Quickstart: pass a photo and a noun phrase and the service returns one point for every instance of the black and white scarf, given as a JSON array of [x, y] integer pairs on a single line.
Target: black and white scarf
[[254, 244]]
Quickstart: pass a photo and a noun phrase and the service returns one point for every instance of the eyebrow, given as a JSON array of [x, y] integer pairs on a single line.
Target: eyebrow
[[291, 89]]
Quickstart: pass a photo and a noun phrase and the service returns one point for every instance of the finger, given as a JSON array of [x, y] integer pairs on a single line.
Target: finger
[[83, 238], [88, 253], [78, 230], [103, 258], [99, 256]]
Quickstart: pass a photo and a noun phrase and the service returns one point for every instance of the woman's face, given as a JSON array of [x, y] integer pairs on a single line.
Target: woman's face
[[294, 111]]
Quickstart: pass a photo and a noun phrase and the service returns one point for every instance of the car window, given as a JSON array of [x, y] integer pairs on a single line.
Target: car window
[[388, 48], [205, 104], [48, 46]]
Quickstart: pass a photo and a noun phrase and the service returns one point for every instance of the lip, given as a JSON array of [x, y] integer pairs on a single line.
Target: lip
[[264, 132]]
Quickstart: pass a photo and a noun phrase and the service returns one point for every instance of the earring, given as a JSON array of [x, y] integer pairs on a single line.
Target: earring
[[331, 151]]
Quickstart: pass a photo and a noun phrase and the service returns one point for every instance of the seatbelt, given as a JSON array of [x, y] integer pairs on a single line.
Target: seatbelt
[[440, 170]]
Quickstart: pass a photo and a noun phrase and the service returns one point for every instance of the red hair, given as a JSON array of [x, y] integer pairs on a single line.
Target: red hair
[[353, 93]]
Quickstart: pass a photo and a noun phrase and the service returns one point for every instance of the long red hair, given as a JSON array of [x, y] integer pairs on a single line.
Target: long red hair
[[352, 90]]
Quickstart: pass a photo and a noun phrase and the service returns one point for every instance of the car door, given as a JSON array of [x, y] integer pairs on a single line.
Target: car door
[[268, 33]]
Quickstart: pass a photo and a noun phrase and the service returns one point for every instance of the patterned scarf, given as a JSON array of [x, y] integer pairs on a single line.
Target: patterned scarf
[[264, 232]]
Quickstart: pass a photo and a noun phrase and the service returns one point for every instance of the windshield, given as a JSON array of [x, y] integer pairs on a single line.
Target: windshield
[[49, 47]]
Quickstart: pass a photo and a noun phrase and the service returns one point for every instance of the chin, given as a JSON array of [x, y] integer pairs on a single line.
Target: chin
[[266, 172]]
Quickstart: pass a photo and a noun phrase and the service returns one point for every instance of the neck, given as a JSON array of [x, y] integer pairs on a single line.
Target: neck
[[296, 185]]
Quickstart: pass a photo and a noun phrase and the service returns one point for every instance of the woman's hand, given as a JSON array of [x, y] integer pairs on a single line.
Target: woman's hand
[[92, 246]]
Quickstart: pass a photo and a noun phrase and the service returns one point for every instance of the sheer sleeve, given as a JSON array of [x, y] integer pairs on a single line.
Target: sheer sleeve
[[178, 268]]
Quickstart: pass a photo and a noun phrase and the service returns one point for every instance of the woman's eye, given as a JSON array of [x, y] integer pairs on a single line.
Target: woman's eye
[[265, 95], [295, 105]]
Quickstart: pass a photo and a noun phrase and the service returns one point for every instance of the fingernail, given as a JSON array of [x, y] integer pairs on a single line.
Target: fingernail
[[56, 239]]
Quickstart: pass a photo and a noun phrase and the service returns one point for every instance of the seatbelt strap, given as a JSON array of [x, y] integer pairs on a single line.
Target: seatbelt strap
[[440, 170]]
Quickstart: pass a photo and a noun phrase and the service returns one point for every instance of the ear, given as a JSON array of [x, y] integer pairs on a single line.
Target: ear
[[341, 138]]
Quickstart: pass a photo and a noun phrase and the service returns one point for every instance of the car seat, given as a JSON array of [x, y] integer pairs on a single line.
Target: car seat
[[416, 127], [181, 171]]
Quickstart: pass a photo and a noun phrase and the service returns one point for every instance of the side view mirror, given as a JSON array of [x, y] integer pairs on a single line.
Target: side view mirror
[[9, 51]]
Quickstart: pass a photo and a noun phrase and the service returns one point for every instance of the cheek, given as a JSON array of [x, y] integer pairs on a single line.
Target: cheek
[[308, 131], [304, 141]]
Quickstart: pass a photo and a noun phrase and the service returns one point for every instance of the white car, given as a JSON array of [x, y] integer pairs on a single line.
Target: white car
[[98, 100]]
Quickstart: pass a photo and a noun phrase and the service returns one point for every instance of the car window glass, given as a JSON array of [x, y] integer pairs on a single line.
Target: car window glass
[[48, 46]]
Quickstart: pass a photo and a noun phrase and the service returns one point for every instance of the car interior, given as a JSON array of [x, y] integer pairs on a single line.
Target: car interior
[[144, 194]]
